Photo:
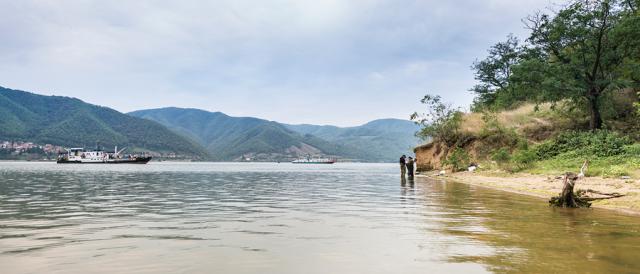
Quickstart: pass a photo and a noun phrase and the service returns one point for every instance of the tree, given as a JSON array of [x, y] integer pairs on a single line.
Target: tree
[[441, 121], [632, 5], [494, 74], [627, 36], [583, 59]]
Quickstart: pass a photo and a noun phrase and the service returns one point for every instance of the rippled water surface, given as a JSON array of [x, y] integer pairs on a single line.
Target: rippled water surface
[[284, 218]]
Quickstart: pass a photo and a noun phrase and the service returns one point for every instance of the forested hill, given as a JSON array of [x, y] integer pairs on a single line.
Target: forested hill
[[236, 138], [71, 122], [384, 138], [231, 138]]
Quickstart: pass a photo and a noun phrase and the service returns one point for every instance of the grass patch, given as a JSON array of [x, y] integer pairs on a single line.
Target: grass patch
[[625, 164]]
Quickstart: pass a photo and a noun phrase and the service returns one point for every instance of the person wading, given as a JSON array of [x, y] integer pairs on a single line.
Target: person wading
[[403, 165], [409, 165]]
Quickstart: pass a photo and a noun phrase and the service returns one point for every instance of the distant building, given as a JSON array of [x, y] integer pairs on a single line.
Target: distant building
[[20, 147]]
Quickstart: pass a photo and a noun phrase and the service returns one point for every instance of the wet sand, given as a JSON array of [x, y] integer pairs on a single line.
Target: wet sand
[[545, 187]]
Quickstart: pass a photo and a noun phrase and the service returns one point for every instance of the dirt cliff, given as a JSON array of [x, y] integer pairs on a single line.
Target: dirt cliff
[[430, 156]]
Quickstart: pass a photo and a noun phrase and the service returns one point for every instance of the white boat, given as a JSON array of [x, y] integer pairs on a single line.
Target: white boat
[[314, 161], [98, 156]]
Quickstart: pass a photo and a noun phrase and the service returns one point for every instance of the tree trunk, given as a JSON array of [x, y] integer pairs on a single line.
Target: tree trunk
[[568, 198], [596, 119]]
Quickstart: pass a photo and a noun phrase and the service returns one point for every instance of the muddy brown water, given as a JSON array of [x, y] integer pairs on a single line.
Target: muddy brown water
[[284, 218]]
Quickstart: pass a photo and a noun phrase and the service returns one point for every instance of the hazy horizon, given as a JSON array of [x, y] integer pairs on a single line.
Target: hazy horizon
[[298, 62]]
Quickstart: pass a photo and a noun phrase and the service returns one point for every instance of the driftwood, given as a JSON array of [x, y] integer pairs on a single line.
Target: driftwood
[[603, 195], [568, 198], [578, 199]]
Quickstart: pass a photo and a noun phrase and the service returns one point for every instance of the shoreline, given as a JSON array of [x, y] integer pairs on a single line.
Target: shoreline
[[545, 187]]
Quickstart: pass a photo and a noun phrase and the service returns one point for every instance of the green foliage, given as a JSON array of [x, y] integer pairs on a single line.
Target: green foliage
[[501, 156], [70, 122], [600, 143], [633, 150], [637, 105], [496, 134], [441, 121], [583, 58], [458, 159], [579, 54], [524, 158], [615, 171], [611, 166], [610, 154], [494, 75]]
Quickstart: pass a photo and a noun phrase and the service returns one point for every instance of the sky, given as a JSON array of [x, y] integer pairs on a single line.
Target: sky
[[335, 62]]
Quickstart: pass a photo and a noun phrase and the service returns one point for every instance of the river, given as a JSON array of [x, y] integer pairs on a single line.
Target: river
[[283, 218]]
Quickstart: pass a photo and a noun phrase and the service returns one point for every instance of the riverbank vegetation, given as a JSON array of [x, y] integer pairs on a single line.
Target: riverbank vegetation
[[566, 94]]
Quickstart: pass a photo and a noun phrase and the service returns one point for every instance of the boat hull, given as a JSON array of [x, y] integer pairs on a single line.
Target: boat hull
[[141, 161], [313, 163]]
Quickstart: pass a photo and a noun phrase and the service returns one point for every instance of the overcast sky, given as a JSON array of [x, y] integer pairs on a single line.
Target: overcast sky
[[334, 62]]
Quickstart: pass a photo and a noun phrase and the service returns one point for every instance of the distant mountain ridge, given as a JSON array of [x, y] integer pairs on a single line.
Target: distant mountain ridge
[[195, 133], [234, 138], [69, 121], [386, 139]]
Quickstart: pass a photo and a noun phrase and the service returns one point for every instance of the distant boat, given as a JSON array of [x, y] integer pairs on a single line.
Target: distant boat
[[98, 156], [314, 161]]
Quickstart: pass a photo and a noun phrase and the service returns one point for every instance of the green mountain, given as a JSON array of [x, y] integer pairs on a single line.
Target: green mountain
[[68, 121], [232, 138], [385, 139]]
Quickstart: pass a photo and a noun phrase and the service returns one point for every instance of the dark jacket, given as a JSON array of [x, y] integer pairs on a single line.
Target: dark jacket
[[410, 164]]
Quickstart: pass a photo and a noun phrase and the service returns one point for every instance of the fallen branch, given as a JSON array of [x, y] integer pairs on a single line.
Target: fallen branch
[[607, 195]]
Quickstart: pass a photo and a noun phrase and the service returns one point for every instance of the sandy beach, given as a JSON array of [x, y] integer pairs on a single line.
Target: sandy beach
[[545, 187]]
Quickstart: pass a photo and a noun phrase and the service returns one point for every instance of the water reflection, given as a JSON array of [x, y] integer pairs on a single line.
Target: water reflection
[[530, 237], [253, 218]]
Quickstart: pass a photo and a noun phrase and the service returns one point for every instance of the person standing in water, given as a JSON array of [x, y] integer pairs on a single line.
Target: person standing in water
[[403, 165], [409, 165]]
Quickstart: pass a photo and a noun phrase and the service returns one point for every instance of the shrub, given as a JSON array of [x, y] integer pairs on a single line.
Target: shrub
[[501, 156], [495, 136], [458, 159], [632, 150], [523, 145], [440, 123], [493, 132], [600, 143], [524, 158]]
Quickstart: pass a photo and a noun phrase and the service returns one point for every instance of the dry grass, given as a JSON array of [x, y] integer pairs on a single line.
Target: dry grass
[[521, 118], [472, 123]]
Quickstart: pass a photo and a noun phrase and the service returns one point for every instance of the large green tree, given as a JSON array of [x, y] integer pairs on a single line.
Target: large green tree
[[584, 52], [495, 88]]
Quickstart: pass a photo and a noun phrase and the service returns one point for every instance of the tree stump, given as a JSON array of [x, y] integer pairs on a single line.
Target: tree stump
[[568, 198]]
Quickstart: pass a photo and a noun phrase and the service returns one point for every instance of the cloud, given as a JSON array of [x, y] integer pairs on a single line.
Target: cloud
[[338, 62]]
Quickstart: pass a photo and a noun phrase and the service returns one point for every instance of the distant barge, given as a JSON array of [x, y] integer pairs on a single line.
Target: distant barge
[[314, 161], [98, 156]]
